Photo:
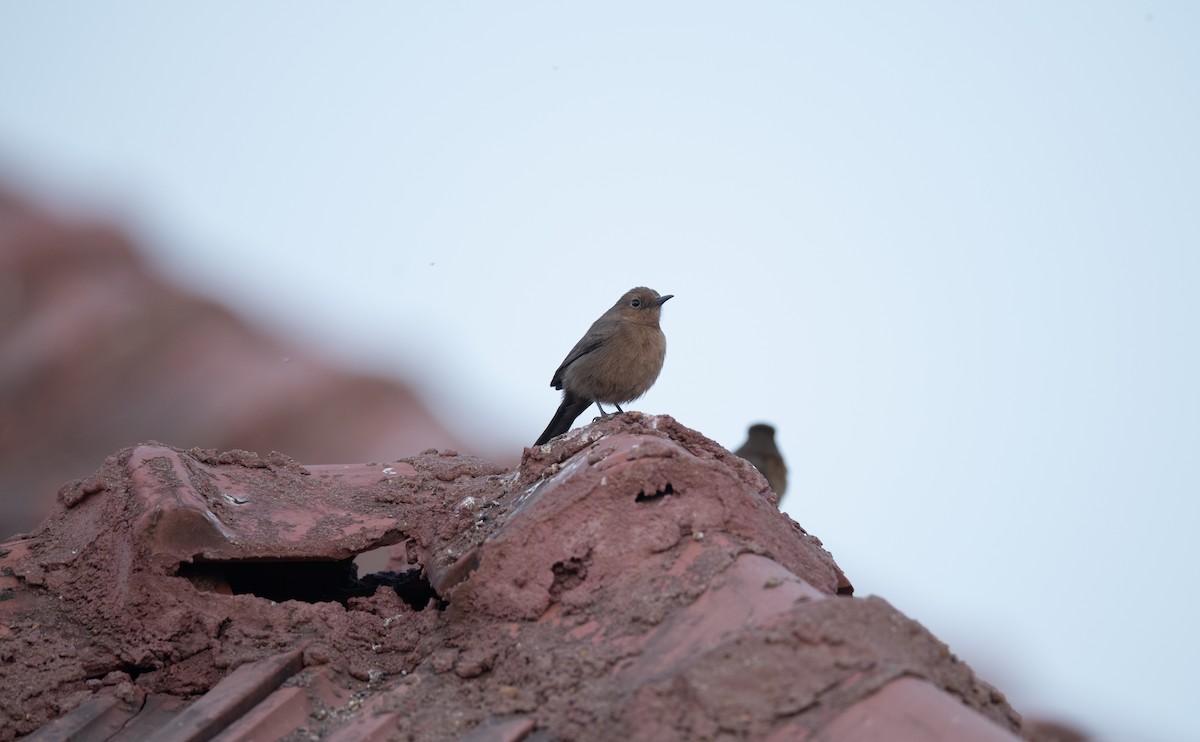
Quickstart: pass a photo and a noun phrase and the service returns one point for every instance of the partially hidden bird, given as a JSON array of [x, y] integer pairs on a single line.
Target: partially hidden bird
[[616, 361], [760, 450]]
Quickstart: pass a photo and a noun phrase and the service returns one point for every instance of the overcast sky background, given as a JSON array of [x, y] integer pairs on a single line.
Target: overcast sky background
[[951, 252]]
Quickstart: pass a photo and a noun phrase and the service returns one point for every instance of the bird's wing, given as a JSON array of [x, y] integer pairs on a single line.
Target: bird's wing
[[586, 345]]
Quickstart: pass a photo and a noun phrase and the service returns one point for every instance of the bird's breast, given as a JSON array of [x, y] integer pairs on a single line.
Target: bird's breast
[[622, 369]]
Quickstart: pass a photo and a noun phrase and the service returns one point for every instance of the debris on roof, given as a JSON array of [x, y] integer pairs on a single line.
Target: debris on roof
[[631, 580]]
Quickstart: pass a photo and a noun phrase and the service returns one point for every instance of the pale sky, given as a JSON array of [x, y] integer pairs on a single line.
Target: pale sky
[[951, 252]]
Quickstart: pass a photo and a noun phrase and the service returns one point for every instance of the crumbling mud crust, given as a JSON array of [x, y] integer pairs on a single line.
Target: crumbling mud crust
[[632, 579]]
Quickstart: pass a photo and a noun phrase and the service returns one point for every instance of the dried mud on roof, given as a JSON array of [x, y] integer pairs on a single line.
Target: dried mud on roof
[[632, 579]]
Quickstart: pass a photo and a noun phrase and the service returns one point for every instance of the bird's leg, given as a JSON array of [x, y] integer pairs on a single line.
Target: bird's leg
[[604, 414]]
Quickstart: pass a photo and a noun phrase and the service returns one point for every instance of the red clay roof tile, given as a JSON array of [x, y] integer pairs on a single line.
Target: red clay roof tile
[[628, 581]]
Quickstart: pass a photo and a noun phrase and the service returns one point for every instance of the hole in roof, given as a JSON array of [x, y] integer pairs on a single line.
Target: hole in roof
[[643, 497], [132, 670], [569, 574], [381, 559], [308, 581]]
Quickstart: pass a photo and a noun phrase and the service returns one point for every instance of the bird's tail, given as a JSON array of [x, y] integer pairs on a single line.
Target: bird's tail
[[570, 408]]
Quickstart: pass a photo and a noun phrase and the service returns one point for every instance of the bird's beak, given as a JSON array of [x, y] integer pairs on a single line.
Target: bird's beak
[[662, 300]]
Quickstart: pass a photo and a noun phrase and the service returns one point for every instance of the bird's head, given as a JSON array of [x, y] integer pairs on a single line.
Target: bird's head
[[640, 305], [763, 431]]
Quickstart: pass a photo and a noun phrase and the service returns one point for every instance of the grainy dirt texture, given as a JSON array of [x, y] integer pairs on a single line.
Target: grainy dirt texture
[[632, 579]]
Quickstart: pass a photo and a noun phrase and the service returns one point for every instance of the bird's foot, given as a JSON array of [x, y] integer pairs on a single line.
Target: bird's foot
[[604, 414]]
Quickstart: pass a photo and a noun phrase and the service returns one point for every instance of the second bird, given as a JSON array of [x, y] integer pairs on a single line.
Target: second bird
[[615, 362], [760, 450]]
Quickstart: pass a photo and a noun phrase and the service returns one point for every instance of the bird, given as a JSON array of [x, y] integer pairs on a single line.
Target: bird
[[616, 361], [760, 450]]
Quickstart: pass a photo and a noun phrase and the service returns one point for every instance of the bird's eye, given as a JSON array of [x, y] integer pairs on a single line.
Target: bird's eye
[[635, 303]]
